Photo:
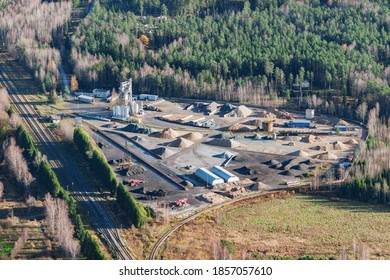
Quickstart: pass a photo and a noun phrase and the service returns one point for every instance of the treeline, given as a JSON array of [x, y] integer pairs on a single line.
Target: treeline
[[96, 160], [369, 177], [29, 29], [369, 189], [46, 176], [253, 54]]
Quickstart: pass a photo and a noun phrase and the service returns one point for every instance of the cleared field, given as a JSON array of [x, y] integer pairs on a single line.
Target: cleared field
[[293, 227]]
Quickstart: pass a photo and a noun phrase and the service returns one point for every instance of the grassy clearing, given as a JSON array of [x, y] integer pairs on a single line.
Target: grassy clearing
[[293, 226]]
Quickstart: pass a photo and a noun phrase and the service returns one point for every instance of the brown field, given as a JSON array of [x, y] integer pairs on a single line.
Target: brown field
[[289, 227]]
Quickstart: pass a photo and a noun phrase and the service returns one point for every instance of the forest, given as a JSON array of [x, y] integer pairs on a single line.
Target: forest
[[248, 51]]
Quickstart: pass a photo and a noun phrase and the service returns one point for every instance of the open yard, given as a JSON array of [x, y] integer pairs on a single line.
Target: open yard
[[294, 227]]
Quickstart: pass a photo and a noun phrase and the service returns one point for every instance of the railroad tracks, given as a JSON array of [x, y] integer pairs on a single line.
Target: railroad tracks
[[65, 168], [167, 234]]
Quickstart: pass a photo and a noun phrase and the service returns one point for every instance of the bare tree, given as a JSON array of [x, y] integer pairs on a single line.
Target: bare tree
[[60, 226], [17, 165], [362, 111], [372, 121], [19, 243], [66, 130], [1, 190], [14, 121]]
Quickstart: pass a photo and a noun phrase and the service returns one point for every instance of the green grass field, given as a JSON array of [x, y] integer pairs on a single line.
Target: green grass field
[[309, 225]]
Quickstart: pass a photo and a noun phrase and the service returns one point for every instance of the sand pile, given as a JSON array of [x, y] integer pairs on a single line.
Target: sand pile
[[286, 115], [224, 143], [181, 143], [301, 167], [287, 173], [342, 122], [240, 112], [193, 136], [325, 147], [259, 186], [352, 142], [340, 146], [277, 166], [299, 153], [138, 139], [327, 156], [268, 115], [309, 139], [291, 138], [163, 152], [132, 170], [136, 128], [244, 171], [211, 108], [255, 122], [240, 128], [167, 133]]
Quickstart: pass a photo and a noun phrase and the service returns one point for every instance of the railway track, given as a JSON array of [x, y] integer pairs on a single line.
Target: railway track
[[166, 235], [66, 170]]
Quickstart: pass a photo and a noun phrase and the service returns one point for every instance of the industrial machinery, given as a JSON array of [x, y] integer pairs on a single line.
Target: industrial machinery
[[178, 203], [133, 182]]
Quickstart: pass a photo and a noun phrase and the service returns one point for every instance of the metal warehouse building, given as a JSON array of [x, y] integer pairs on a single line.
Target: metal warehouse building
[[208, 177], [224, 174], [86, 99]]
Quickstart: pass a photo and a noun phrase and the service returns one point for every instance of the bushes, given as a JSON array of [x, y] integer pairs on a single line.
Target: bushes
[[104, 171], [82, 140], [98, 163], [25, 141], [368, 189], [134, 210], [46, 176]]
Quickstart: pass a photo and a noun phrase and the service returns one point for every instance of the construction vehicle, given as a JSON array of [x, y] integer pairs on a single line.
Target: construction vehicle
[[133, 182], [126, 164], [178, 203]]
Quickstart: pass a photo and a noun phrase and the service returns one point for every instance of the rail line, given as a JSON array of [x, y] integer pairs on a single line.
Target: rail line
[[192, 217], [63, 166]]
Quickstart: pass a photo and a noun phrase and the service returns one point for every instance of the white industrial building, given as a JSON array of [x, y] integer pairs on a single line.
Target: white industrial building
[[126, 106], [150, 97], [208, 177], [309, 114], [121, 112], [98, 93], [86, 99], [101, 93], [224, 174]]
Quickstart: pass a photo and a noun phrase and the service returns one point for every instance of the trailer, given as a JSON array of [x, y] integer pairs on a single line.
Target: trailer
[[150, 97], [298, 123], [86, 99]]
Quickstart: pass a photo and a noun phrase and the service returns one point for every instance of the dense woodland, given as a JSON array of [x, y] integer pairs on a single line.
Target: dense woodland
[[251, 51], [30, 29]]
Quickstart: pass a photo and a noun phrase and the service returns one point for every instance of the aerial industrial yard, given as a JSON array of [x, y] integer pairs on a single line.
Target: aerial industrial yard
[[178, 156]]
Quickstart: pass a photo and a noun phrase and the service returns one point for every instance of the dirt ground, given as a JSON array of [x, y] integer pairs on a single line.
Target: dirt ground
[[296, 159]]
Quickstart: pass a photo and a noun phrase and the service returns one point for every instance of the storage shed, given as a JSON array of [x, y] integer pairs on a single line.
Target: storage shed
[[86, 99], [208, 177], [309, 114], [101, 93], [224, 174], [55, 119]]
